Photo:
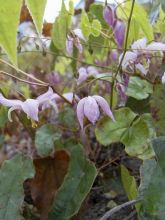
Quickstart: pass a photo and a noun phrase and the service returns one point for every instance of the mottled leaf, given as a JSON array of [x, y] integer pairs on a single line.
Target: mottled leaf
[[108, 131], [45, 139], [77, 183], [138, 88], [12, 175]]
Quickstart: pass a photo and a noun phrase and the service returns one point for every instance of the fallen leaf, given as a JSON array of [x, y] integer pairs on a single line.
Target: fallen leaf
[[50, 172]]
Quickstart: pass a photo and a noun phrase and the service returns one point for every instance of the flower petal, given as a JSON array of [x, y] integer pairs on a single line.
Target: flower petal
[[69, 45], [30, 107], [141, 68], [78, 33], [9, 102], [80, 111], [109, 15], [119, 32], [10, 111], [92, 71], [78, 45], [49, 95], [155, 47], [104, 105], [82, 75], [91, 109], [129, 58], [139, 44]]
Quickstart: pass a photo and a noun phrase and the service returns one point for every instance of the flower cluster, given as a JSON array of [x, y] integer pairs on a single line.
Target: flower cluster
[[74, 39], [139, 58], [116, 24]]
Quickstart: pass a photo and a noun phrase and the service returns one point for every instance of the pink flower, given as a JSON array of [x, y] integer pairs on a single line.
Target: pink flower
[[30, 106], [89, 107], [118, 26], [53, 78], [74, 40], [84, 73], [119, 32], [109, 15]]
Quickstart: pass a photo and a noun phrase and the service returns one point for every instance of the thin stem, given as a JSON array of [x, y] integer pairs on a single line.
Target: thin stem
[[22, 80], [24, 73], [61, 96], [125, 50], [108, 214]]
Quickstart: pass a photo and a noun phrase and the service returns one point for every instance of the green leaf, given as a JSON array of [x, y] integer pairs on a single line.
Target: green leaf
[[37, 9], [45, 139], [152, 189], [129, 184], [85, 25], [95, 28], [108, 131], [61, 27], [9, 20], [3, 116], [140, 18], [157, 108], [137, 140], [138, 88], [77, 183], [12, 175], [67, 117]]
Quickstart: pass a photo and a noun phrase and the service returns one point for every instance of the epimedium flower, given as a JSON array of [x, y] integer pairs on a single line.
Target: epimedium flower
[[140, 57], [74, 39], [84, 73], [117, 25], [89, 107], [30, 106]]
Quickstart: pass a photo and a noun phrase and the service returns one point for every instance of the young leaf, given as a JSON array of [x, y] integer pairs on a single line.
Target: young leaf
[[129, 184], [45, 139], [12, 175], [37, 9], [95, 28], [77, 183], [85, 25], [60, 28], [9, 20]]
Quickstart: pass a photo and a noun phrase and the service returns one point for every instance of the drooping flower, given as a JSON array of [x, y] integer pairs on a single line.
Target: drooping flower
[[109, 15], [89, 107], [30, 106], [140, 57], [119, 32], [53, 78], [74, 39], [117, 25], [84, 73]]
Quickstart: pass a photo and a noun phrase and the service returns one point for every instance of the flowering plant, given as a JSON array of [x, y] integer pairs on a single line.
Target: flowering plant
[[82, 108]]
